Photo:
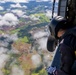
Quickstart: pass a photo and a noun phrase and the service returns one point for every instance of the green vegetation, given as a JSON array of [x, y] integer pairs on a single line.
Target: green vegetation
[[23, 44], [3, 12], [1, 32], [24, 39], [14, 31], [41, 72], [42, 17], [18, 29], [24, 32], [7, 68], [22, 20], [5, 71]]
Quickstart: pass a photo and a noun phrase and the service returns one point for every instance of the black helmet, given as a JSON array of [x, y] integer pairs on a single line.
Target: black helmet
[[57, 23]]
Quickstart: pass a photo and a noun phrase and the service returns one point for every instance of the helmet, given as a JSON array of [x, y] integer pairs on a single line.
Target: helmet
[[56, 24]]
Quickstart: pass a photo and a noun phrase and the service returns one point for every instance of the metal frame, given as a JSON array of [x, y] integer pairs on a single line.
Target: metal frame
[[53, 8]]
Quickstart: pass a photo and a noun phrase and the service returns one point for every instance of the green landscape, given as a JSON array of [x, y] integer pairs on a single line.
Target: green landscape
[[22, 34]]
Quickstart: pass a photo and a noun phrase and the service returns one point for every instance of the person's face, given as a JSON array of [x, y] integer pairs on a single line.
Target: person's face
[[60, 33]]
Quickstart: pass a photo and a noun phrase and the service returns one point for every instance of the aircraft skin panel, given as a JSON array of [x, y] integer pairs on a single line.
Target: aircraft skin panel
[[63, 3], [62, 7], [62, 14]]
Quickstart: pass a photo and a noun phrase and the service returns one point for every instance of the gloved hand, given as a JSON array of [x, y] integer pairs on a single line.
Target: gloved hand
[[51, 70]]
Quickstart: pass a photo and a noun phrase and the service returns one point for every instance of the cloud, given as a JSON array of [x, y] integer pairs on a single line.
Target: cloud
[[33, 17], [2, 1], [49, 13], [18, 12], [16, 5], [42, 0], [25, 16], [22, 1], [13, 37], [41, 39], [1, 8], [4, 43], [8, 19], [48, 57], [0, 17], [16, 70], [36, 57], [24, 6], [39, 34], [25, 1], [3, 59], [55, 0], [1, 73], [3, 50], [42, 43]]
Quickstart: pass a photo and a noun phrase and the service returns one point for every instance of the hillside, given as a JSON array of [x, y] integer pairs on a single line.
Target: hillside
[[23, 37]]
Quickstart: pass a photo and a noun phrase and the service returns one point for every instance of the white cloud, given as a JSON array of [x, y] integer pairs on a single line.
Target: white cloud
[[41, 39], [8, 19], [1, 8], [42, 0], [55, 0], [48, 57], [2, 1], [3, 59], [16, 5], [3, 50], [18, 12], [3, 22], [49, 14], [16, 70], [23, 1], [1, 73], [42, 43], [13, 37], [0, 17], [8, 9], [36, 57], [24, 6], [25, 16], [39, 34], [33, 17]]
